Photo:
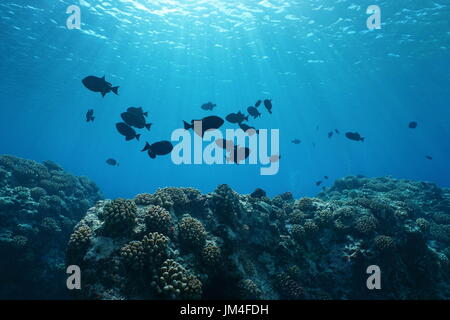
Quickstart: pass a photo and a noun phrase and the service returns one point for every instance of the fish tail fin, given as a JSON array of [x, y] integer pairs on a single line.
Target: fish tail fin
[[115, 90], [93, 118], [148, 126], [362, 139], [187, 126], [147, 147], [246, 118], [270, 111], [138, 136]]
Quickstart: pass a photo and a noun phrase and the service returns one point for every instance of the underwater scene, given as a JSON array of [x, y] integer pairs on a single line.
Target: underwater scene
[[224, 150]]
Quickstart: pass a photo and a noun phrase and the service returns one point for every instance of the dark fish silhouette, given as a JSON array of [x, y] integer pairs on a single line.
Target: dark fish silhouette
[[296, 141], [258, 193], [337, 131], [112, 162], [127, 131], [253, 112], [355, 136], [258, 103], [429, 157], [90, 116], [268, 105], [160, 148], [208, 123], [138, 111], [238, 154], [135, 120], [208, 106], [318, 183], [412, 125], [330, 134], [99, 85], [245, 127], [325, 177], [236, 117], [225, 144]]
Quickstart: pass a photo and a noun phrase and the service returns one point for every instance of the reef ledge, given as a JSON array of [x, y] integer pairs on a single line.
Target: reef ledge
[[180, 244]]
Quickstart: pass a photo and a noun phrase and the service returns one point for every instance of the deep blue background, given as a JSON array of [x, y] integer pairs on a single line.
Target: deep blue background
[[315, 59]]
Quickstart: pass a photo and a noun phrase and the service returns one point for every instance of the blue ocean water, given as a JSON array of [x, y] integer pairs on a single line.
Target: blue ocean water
[[316, 60]]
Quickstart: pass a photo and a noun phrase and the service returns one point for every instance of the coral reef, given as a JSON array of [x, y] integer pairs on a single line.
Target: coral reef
[[223, 245], [39, 206]]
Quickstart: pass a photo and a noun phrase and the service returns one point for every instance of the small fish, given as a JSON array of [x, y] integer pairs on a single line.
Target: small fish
[[112, 162], [138, 111], [296, 141], [236, 117], [136, 120], [258, 193], [160, 148], [245, 128], [330, 134], [429, 157], [253, 112], [268, 105], [207, 123], [127, 131], [208, 106], [318, 183], [90, 116], [238, 154], [412, 125], [96, 84], [337, 131], [258, 103], [325, 177], [355, 136]]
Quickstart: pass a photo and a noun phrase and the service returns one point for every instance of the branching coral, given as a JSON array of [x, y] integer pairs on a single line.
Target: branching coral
[[192, 232], [290, 289], [384, 243], [150, 251], [211, 255], [119, 215], [158, 219], [366, 224], [175, 282]]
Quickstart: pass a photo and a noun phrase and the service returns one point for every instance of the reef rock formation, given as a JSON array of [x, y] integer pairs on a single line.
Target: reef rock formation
[[39, 207], [180, 244]]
